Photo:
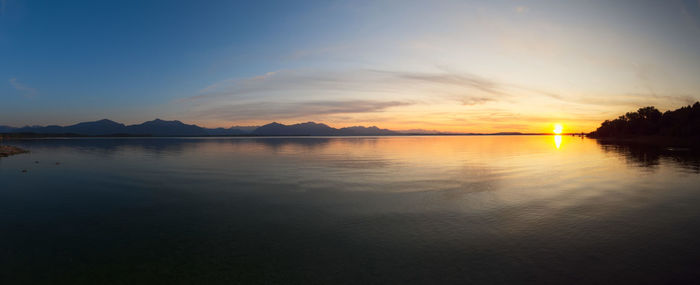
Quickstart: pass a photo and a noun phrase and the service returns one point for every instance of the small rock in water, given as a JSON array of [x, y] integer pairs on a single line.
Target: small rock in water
[[36, 161], [57, 163], [24, 170]]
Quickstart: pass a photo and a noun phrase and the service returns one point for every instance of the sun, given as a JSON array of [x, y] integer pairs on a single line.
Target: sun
[[558, 128]]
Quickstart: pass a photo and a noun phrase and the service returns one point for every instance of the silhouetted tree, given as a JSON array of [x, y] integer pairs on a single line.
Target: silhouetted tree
[[683, 122]]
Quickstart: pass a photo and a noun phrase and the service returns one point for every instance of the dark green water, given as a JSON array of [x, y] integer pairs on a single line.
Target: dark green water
[[386, 210]]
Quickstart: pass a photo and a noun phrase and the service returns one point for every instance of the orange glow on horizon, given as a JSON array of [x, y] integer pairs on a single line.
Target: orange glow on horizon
[[526, 125]]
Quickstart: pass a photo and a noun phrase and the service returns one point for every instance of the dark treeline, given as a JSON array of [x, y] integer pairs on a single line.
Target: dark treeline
[[649, 121]]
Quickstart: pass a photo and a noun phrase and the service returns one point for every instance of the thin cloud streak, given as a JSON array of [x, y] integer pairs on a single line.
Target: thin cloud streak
[[458, 80], [287, 94], [291, 110], [635, 100], [26, 90], [305, 83]]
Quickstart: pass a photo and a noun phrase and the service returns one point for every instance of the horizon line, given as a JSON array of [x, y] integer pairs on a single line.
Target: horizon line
[[417, 131]]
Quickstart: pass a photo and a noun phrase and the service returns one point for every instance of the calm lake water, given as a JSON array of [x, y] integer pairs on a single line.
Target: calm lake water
[[377, 210]]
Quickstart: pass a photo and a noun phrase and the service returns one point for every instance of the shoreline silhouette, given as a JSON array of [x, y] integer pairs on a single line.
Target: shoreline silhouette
[[680, 127], [162, 128]]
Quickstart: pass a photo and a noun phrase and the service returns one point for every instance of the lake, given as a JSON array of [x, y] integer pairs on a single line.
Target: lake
[[348, 210]]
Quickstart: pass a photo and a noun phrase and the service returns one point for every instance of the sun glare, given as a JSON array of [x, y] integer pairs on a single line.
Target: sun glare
[[558, 128], [557, 141]]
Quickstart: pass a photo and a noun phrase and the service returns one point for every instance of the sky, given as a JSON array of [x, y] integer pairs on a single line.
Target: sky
[[458, 66]]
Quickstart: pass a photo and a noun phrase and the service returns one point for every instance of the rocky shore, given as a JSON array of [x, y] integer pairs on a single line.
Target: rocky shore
[[6, 150]]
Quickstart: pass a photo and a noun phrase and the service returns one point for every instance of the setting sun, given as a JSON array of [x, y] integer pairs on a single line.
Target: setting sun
[[558, 128]]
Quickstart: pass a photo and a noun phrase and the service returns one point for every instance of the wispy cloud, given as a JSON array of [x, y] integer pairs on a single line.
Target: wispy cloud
[[290, 110], [631, 101], [468, 81], [354, 83], [475, 100], [26, 90], [287, 94]]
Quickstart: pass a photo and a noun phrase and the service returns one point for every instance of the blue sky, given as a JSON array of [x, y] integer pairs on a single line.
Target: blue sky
[[445, 65]]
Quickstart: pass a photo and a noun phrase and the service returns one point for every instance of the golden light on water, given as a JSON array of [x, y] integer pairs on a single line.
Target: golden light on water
[[558, 128], [557, 141]]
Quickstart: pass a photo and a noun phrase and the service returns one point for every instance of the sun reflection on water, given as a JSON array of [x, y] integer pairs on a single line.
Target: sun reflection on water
[[557, 141]]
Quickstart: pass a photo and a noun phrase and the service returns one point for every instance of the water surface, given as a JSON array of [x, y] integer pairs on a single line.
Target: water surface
[[378, 210]]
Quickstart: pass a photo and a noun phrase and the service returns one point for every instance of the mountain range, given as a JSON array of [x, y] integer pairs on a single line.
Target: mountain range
[[162, 128]]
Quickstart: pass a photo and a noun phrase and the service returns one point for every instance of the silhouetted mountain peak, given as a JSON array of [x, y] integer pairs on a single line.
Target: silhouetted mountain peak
[[365, 131], [103, 122], [273, 124], [159, 127], [160, 121], [310, 123], [317, 129], [363, 127]]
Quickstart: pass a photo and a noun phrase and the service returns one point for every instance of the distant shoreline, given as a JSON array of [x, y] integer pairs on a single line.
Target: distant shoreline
[[20, 136], [161, 128]]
